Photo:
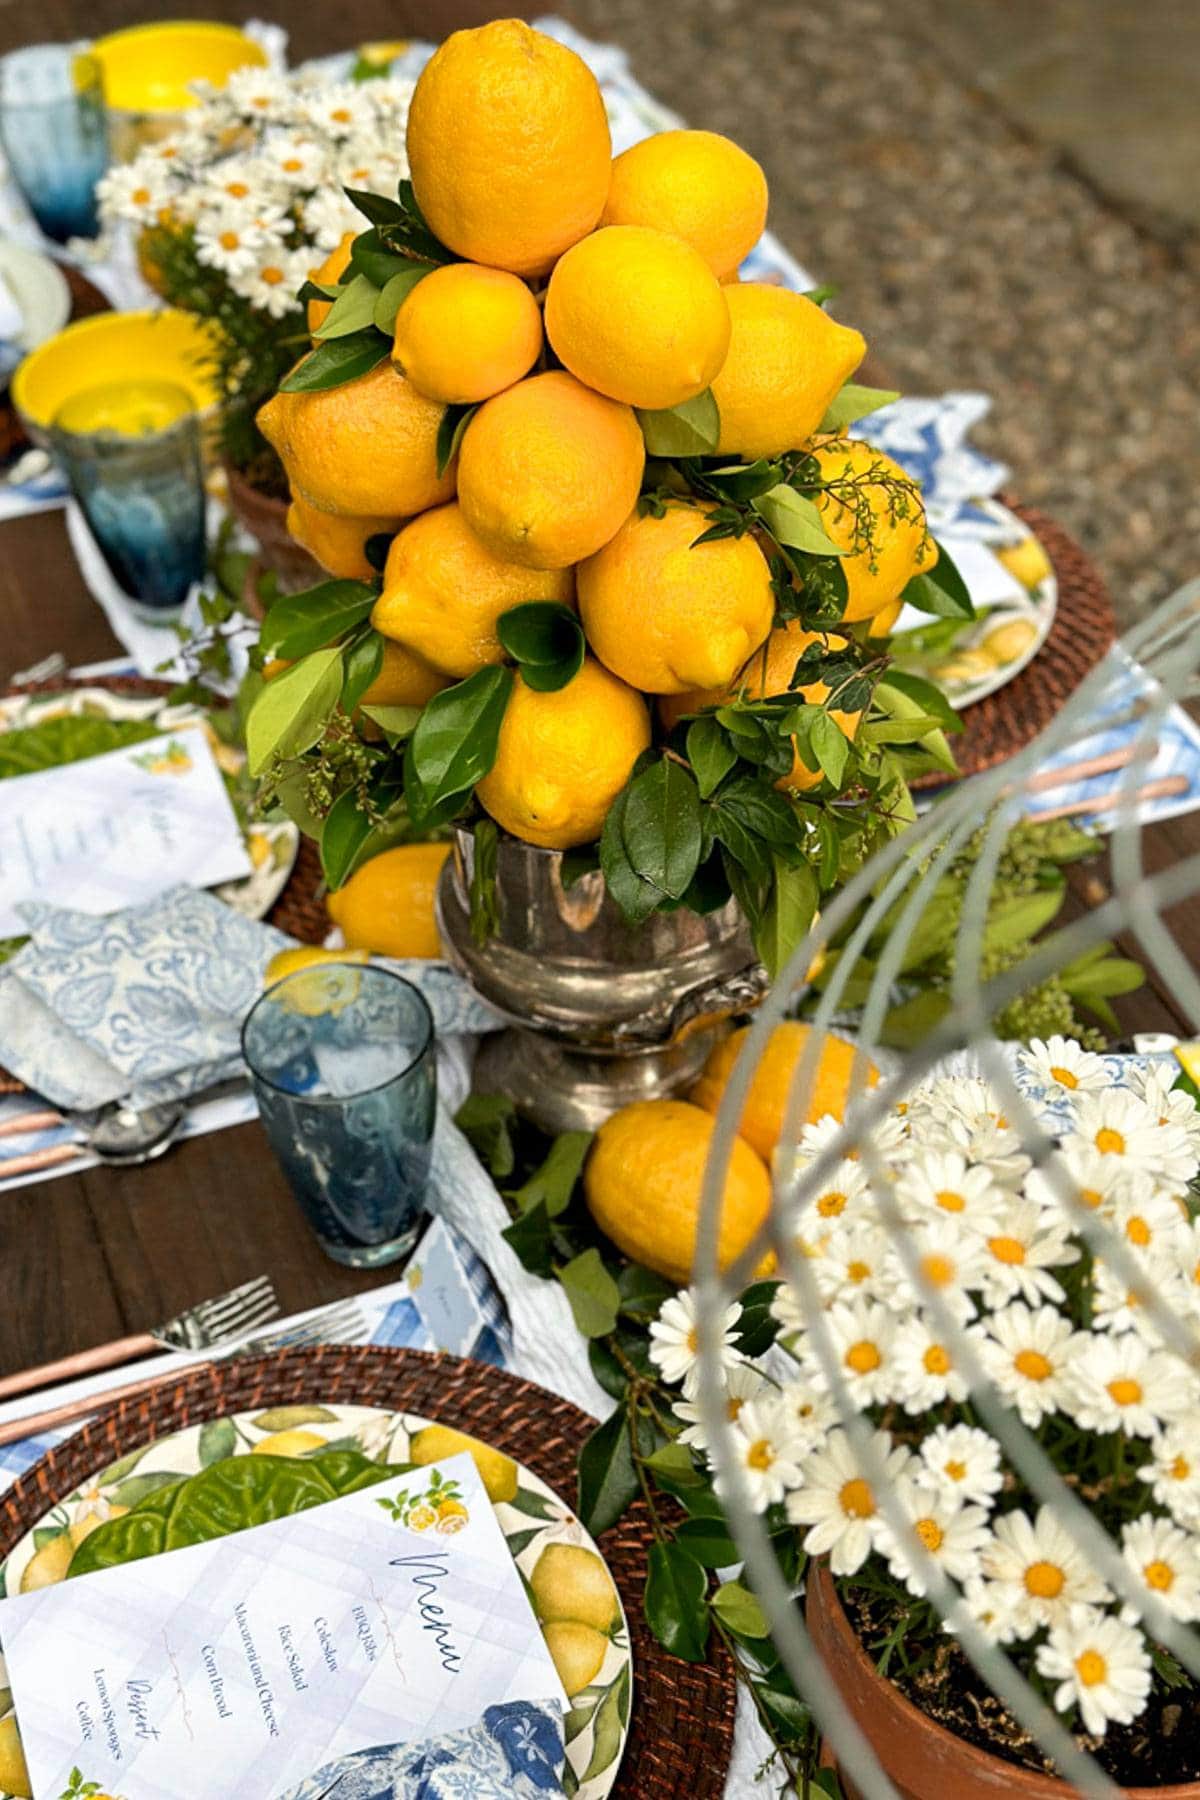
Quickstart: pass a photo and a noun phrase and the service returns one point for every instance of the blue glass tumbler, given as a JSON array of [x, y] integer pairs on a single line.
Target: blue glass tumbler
[[342, 1058], [54, 129]]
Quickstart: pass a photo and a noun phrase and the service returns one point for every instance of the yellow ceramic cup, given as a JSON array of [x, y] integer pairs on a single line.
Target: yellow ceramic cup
[[148, 69], [114, 347]]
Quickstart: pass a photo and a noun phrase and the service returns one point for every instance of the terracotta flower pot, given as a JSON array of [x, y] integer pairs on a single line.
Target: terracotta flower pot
[[264, 516], [922, 1758]]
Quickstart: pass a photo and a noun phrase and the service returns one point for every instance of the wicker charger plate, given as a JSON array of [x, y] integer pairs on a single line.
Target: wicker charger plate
[[681, 1731]]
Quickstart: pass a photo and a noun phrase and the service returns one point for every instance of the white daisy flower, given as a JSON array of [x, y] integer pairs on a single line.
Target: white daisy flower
[[371, 167], [229, 243], [863, 1334], [259, 94], [271, 286], [989, 1606], [238, 181], [810, 1409], [888, 1137], [1078, 1176], [1061, 1062], [843, 1193], [1169, 1104], [949, 1262], [952, 1535], [1020, 1252], [1122, 1384], [838, 1505], [138, 192], [1173, 1473], [391, 96], [967, 1114], [742, 1382], [1101, 1665], [339, 110], [1166, 1560], [1029, 1358], [1119, 1306], [328, 216], [296, 162], [855, 1260], [925, 1366], [1149, 1218], [1117, 1123], [675, 1339], [962, 1463], [768, 1450], [1044, 1570], [793, 1315], [939, 1181]]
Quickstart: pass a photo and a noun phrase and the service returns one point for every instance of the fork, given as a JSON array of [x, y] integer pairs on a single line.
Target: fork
[[338, 1324], [200, 1327]]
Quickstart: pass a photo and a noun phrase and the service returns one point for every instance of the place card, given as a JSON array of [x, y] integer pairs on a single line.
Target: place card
[[240, 1667], [117, 829]]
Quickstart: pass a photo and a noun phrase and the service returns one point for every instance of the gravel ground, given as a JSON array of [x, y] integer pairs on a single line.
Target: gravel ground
[[969, 255]]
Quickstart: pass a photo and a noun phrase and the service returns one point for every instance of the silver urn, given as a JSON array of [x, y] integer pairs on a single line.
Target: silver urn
[[602, 1012]]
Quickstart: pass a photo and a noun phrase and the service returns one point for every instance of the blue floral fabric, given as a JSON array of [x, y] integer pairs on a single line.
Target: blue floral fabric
[[515, 1752]]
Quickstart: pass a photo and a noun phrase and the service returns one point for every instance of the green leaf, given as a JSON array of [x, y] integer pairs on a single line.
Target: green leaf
[[854, 402], [376, 208], [451, 430], [348, 828], [908, 1024], [689, 429], [710, 754], [757, 1329], [487, 1121], [592, 1292], [829, 745], [636, 898], [608, 1725], [608, 1481], [905, 713], [790, 911], [1115, 975], [454, 744], [292, 711], [396, 722], [795, 520], [739, 1609], [546, 639], [332, 365], [300, 623], [395, 292], [353, 310], [218, 1439], [531, 1240], [661, 827], [674, 1467], [607, 1369], [377, 260], [1014, 919], [709, 1543], [363, 661], [940, 590], [675, 1605], [643, 1293], [743, 481], [926, 696], [554, 1182]]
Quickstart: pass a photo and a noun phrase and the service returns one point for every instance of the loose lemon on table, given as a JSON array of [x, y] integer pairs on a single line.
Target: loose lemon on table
[[563, 757], [786, 360], [874, 513], [769, 672], [763, 1115], [549, 471], [328, 274], [337, 540], [643, 1181], [294, 1442], [668, 614], [498, 1473], [444, 590], [1026, 562], [638, 315], [368, 447], [466, 332], [403, 679], [14, 1775], [577, 1652], [387, 904], [508, 146], [320, 994], [571, 1582], [697, 185]]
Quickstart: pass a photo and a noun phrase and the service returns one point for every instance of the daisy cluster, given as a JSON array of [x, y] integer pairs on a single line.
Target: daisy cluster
[[944, 1262], [258, 174]]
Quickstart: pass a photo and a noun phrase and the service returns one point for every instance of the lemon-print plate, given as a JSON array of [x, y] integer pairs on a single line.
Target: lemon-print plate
[[565, 1576]]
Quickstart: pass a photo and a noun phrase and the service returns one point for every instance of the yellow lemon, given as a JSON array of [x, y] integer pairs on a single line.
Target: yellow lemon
[[1027, 562], [549, 471], [466, 332], [368, 448], [697, 185], [874, 512], [668, 614], [570, 1582], [769, 672], [643, 1181], [328, 274], [509, 147], [786, 361], [421, 1518], [638, 315], [452, 1516], [387, 904], [14, 1776], [403, 679], [498, 1473], [965, 665], [564, 757], [1005, 643], [883, 621], [577, 1651], [337, 540], [296, 1442], [49, 1565], [766, 1103], [307, 956], [444, 590]]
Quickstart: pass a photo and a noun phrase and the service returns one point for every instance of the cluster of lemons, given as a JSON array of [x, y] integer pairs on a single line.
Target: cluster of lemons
[[590, 290]]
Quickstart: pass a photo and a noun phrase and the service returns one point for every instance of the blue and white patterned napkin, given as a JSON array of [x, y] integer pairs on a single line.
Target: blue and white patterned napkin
[[514, 1753]]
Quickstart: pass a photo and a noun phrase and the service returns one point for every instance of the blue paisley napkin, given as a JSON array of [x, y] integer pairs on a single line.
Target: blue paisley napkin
[[514, 1753]]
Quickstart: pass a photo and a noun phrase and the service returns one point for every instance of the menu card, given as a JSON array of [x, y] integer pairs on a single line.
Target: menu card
[[241, 1666], [117, 829]]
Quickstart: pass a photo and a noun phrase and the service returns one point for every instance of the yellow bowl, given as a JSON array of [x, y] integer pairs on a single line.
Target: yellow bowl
[[113, 347], [147, 68]]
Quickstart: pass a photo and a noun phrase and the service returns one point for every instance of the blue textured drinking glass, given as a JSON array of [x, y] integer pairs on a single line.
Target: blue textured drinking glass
[[343, 1062], [131, 452], [55, 134]]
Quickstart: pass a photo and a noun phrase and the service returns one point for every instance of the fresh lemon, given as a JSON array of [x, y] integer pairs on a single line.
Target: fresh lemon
[[465, 332], [577, 1652], [787, 359], [643, 1181], [387, 904], [368, 447], [295, 1442], [444, 590], [1026, 562], [403, 679], [570, 1582], [49, 1565], [498, 1473], [14, 1776], [328, 274], [763, 1115], [638, 315], [337, 540], [564, 757], [312, 999], [549, 471], [668, 614], [696, 185], [873, 511], [509, 146]]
